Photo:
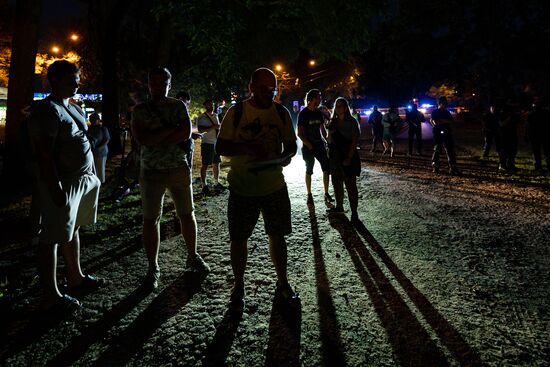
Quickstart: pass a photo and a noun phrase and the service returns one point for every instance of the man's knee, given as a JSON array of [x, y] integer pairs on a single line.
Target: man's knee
[[187, 217], [239, 244]]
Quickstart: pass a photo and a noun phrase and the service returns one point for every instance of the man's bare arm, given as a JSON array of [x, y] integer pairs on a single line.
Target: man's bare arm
[[147, 137], [302, 136], [48, 169]]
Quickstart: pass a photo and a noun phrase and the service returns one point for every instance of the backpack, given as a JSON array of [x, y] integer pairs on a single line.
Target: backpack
[[239, 107]]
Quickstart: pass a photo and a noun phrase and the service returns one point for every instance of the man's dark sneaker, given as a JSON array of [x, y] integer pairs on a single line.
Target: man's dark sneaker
[[151, 280], [196, 263], [328, 198], [219, 187], [335, 210], [454, 171], [309, 199], [206, 190], [285, 292], [236, 300]]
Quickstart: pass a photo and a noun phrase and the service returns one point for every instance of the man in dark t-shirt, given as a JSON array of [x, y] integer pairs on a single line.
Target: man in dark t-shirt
[[441, 121], [375, 121], [311, 130], [415, 119]]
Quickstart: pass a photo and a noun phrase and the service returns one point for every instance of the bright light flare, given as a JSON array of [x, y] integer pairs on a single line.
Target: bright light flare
[[312, 62], [278, 67], [74, 37], [55, 49]]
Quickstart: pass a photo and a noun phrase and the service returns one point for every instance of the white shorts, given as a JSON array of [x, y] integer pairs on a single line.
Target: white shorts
[[58, 223]]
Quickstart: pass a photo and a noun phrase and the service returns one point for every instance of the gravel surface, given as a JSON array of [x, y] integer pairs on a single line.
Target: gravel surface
[[445, 270]]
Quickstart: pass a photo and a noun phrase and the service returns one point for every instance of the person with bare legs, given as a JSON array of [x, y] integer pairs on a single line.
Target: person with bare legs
[[208, 125], [259, 137], [162, 126], [69, 188], [311, 130], [345, 166]]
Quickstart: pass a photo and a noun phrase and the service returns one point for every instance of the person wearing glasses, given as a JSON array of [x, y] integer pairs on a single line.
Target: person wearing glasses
[[259, 137]]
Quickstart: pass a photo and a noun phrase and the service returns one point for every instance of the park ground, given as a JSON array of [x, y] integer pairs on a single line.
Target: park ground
[[444, 270]]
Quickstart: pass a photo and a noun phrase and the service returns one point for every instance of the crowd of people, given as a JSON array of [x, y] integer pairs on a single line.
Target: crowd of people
[[258, 136], [499, 127]]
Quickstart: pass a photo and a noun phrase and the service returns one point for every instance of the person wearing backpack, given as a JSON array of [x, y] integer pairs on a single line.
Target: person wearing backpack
[[259, 138]]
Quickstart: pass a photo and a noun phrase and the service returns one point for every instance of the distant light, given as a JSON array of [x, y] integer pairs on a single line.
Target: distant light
[[312, 62], [409, 107], [55, 49], [473, 94], [75, 37], [426, 105], [423, 110], [278, 67]]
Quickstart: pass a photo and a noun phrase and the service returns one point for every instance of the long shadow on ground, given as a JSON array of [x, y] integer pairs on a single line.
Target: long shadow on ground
[[22, 328], [410, 342], [217, 351], [167, 304], [446, 332], [97, 331], [333, 354], [283, 347]]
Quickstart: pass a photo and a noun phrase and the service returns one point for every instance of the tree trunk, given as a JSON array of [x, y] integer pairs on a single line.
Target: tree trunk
[[20, 85], [164, 42], [110, 87]]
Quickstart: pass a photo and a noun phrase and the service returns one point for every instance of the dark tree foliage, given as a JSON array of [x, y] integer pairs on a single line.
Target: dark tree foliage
[[220, 42], [493, 48]]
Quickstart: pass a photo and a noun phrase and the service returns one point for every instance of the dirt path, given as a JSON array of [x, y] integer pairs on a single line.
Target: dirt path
[[445, 270]]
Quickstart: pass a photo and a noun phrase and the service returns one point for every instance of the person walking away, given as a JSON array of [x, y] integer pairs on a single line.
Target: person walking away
[[375, 122], [312, 132], [209, 125], [538, 132], [69, 188], [490, 131], [100, 136], [160, 125], [345, 165], [391, 122], [414, 119], [441, 121], [509, 121], [258, 136]]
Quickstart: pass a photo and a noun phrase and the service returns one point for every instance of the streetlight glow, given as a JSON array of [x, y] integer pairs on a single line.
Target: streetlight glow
[[55, 49], [312, 62], [74, 37], [278, 67]]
